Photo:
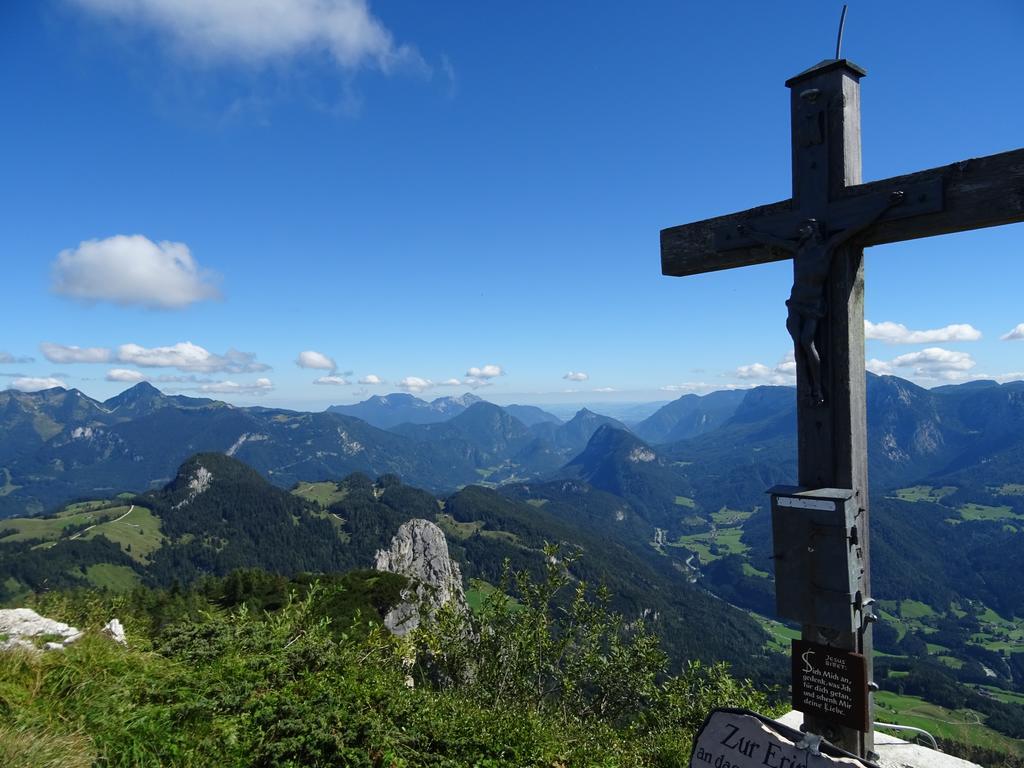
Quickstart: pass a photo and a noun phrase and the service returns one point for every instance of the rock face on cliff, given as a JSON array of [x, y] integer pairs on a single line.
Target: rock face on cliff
[[24, 628], [419, 551]]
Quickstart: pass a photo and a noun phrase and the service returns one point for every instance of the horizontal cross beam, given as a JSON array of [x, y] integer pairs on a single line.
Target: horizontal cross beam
[[981, 192]]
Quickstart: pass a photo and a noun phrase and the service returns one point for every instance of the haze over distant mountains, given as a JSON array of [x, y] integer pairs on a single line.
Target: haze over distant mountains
[[57, 445]]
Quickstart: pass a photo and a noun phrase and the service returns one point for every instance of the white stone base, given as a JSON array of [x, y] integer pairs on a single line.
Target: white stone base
[[897, 753]]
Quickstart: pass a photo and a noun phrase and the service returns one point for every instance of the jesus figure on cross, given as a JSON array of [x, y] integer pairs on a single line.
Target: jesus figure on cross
[[812, 260]]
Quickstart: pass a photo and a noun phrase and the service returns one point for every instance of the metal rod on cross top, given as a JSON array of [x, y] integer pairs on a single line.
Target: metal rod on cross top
[[839, 37], [824, 227]]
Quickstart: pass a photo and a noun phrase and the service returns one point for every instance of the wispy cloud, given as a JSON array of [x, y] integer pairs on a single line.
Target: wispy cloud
[[257, 31], [897, 333], [575, 376], [336, 381], [700, 387], [482, 376], [933, 363], [35, 384], [259, 386], [371, 379], [485, 372], [6, 358], [414, 384], [189, 357], [132, 269], [317, 360], [125, 375], [450, 383], [1014, 334], [782, 373], [60, 353]]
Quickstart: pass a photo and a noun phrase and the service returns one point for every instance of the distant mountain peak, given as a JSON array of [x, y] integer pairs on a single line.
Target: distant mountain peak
[[465, 400]]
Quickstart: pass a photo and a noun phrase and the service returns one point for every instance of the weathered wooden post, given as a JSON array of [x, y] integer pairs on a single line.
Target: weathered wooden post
[[821, 527]]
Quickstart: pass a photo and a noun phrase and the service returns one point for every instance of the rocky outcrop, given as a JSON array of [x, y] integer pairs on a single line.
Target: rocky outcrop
[[24, 628], [115, 631], [419, 551]]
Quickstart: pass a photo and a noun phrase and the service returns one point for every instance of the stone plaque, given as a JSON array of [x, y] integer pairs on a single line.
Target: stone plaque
[[831, 684], [738, 738]]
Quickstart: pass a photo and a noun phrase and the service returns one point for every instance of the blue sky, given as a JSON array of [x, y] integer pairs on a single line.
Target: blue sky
[[426, 193]]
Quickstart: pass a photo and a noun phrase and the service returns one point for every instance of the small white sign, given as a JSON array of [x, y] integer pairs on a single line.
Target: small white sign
[[733, 739], [798, 503]]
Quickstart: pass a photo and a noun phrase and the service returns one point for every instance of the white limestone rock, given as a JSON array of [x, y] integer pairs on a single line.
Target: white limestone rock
[[115, 631], [24, 628], [419, 551]]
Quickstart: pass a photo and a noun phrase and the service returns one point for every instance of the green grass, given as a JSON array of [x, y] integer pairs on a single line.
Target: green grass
[[536, 502], [749, 570], [505, 536], [973, 511], [924, 493], [454, 528], [686, 501], [116, 578], [1007, 697], [965, 726], [52, 528], [726, 516], [779, 635], [1010, 489], [727, 541], [914, 609], [324, 494], [138, 529]]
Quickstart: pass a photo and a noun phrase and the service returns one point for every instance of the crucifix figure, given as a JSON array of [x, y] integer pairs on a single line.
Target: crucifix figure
[[812, 260], [826, 306]]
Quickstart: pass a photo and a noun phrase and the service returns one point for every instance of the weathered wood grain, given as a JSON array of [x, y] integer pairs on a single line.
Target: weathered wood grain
[[980, 192]]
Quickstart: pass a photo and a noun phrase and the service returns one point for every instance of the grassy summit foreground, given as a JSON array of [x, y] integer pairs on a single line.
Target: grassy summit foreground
[[256, 670]]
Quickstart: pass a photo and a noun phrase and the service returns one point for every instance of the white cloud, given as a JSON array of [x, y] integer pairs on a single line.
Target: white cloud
[[228, 387], [897, 333], [318, 360], [754, 371], [414, 384], [879, 367], [337, 381], [6, 358], [930, 363], [606, 389], [450, 383], [485, 372], [372, 379], [576, 376], [35, 384], [783, 373], [1013, 376], [59, 353], [186, 356], [254, 31], [699, 387], [1015, 334], [124, 374], [132, 269]]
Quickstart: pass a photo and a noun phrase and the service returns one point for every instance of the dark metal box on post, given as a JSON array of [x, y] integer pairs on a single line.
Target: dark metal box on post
[[819, 565]]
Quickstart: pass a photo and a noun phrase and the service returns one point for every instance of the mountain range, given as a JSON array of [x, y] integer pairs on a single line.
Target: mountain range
[[58, 445], [662, 521]]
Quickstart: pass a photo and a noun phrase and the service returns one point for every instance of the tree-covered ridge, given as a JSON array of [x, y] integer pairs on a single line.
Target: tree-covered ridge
[[218, 515]]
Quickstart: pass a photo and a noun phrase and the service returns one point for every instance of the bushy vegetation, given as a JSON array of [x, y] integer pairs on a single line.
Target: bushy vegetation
[[256, 670]]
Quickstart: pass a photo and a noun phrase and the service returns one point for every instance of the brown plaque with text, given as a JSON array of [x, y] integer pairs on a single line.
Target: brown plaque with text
[[830, 683]]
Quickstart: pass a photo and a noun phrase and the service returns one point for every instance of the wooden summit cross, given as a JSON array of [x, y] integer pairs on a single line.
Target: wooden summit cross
[[824, 227]]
